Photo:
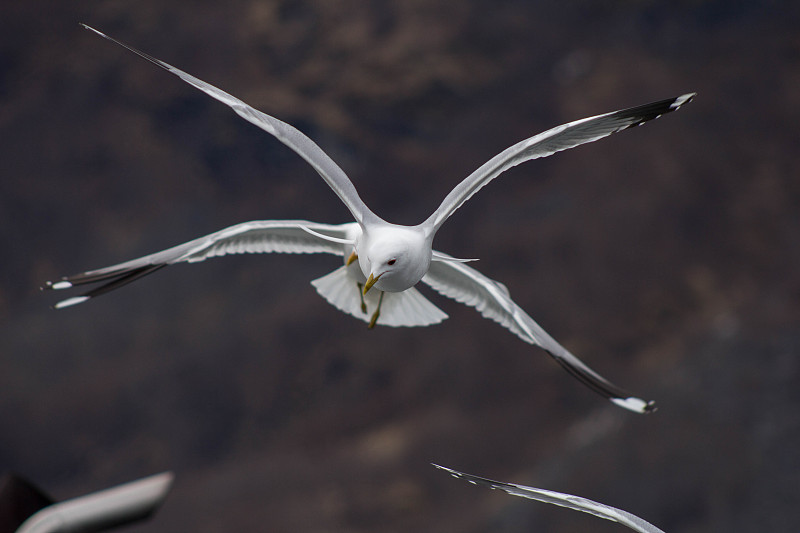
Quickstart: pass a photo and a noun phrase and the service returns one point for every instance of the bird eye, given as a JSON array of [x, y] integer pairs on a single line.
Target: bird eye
[[390, 262]]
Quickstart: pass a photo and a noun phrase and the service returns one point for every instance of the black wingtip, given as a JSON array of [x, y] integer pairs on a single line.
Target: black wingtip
[[116, 279], [473, 479], [647, 112], [606, 389]]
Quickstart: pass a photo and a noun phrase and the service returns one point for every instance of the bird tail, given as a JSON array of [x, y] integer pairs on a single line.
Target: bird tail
[[408, 308]]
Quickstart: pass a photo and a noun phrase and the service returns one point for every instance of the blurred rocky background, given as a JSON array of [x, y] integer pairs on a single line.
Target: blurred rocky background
[[667, 257]]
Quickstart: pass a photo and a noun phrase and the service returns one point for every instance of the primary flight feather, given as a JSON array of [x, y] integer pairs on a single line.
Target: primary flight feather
[[389, 257]]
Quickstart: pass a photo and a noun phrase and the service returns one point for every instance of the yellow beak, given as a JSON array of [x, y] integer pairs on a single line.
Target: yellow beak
[[351, 258], [371, 280]]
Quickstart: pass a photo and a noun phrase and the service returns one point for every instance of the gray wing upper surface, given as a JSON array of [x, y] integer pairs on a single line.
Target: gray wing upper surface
[[549, 142], [491, 299], [333, 175], [556, 139], [261, 236], [575, 503]]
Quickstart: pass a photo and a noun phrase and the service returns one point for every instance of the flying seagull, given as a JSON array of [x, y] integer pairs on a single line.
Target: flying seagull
[[389, 257], [575, 503]]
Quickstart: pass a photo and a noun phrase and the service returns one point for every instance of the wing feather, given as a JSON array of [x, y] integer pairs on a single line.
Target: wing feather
[[576, 503], [333, 175], [261, 236], [549, 142], [492, 300]]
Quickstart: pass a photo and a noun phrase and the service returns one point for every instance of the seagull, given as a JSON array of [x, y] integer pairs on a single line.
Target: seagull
[[377, 254], [575, 503]]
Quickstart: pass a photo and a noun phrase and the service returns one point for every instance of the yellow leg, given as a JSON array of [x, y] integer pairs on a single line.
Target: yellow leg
[[361, 295], [377, 312]]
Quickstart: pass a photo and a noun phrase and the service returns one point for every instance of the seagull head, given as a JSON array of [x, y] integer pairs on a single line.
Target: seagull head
[[394, 258]]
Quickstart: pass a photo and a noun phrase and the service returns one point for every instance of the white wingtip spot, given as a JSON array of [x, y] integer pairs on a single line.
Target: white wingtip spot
[[683, 99], [636, 405], [58, 285], [71, 301]]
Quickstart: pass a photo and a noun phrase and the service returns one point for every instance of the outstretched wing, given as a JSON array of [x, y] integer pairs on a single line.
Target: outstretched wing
[[575, 503], [261, 236], [492, 300], [551, 141], [333, 175]]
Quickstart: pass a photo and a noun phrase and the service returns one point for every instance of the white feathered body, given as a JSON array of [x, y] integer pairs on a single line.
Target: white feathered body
[[342, 289]]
